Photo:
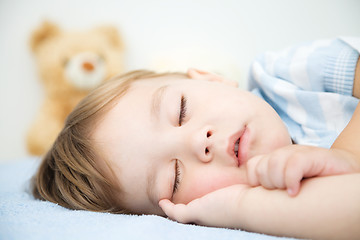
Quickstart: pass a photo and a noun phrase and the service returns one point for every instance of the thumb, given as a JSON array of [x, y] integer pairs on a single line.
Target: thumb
[[178, 212], [175, 212], [166, 205]]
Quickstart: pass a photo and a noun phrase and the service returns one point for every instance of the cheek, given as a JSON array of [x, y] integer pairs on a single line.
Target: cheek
[[197, 186]]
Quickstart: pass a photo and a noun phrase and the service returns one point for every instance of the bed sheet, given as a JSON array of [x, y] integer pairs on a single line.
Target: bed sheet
[[23, 217]]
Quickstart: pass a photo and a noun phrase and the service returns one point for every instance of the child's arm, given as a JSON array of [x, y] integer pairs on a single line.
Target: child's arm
[[349, 138], [286, 167], [326, 208]]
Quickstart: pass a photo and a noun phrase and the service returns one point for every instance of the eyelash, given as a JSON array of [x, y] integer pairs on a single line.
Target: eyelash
[[177, 177], [182, 114]]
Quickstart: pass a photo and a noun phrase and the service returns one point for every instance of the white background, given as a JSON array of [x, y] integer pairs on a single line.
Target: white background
[[221, 35]]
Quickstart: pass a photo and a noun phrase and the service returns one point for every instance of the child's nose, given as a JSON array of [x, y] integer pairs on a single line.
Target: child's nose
[[201, 144]]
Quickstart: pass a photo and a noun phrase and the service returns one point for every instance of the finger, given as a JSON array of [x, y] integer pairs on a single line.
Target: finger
[[167, 206], [294, 190], [251, 171], [276, 166], [263, 174], [294, 173], [177, 212]]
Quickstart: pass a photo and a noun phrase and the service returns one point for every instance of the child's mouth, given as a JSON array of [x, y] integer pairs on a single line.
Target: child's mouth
[[235, 145], [236, 148], [239, 147]]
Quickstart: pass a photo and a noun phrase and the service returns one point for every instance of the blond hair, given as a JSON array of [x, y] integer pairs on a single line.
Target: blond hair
[[70, 174]]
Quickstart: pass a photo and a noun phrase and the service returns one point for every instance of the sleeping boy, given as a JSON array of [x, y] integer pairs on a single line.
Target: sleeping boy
[[194, 147]]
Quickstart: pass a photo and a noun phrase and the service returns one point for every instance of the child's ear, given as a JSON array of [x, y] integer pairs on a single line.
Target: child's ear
[[208, 76]]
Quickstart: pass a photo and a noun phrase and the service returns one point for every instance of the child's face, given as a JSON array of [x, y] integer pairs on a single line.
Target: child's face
[[148, 146]]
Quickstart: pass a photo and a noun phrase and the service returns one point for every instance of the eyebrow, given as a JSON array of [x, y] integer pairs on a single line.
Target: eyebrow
[[157, 99]]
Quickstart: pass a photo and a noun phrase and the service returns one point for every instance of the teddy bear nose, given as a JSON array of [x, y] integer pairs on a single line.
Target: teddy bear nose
[[88, 66]]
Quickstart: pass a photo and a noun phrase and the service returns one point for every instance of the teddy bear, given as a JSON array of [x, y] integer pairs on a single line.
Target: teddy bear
[[70, 65]]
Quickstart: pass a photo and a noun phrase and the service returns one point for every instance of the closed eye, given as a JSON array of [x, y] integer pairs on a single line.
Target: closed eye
[[177, 177], [182, 113]]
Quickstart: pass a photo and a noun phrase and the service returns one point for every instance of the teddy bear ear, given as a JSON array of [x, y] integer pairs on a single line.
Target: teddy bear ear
[[45, 31], [112, 34]]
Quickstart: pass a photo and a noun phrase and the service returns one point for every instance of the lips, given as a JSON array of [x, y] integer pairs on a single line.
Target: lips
[[238, 146]]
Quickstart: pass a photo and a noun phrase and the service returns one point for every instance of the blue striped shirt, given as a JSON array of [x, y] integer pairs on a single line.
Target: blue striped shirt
[[310, 86]]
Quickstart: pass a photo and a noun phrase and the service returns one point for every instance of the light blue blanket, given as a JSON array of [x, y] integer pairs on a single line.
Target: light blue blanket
[[23, 217]]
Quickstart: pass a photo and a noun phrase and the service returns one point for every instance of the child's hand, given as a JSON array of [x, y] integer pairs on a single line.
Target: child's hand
[[213, 209], [286, 167]]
